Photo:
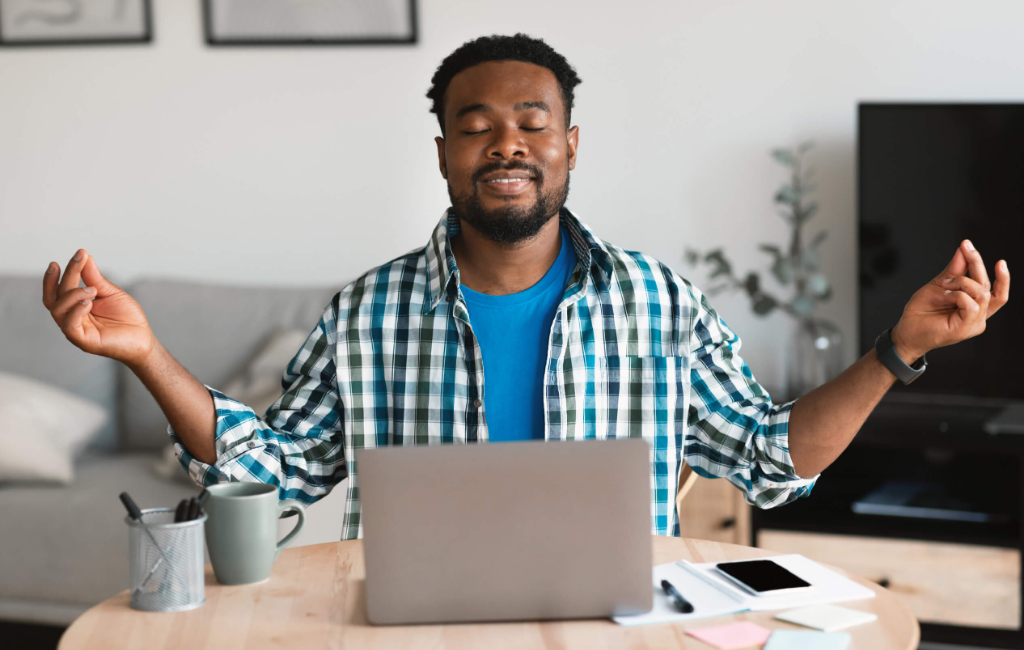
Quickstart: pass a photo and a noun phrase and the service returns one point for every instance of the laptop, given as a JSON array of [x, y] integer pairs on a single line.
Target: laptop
[[507, 531]]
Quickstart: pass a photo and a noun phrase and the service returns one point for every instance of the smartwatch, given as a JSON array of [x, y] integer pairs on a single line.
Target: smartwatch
[[887, 355]]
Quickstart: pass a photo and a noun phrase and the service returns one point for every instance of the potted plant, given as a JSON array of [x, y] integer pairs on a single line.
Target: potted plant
[[815, 355]]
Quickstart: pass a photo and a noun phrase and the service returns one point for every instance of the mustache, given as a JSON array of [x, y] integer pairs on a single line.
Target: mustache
[[509, 166]]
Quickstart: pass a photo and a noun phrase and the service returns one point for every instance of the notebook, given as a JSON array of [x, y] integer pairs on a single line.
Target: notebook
[[807, 640], [712, 595], [741, 634], [826, 617]]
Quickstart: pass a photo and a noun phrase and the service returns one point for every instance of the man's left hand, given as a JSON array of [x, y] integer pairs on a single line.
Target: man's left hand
[[952, 307]]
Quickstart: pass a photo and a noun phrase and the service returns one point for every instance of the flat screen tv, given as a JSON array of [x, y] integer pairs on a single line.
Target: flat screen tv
[[930, 176]]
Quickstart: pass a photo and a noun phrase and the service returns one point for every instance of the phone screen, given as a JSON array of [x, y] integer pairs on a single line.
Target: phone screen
[[762, 575]]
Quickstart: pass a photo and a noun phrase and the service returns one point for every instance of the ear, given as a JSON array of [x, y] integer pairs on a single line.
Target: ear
[[440, 157], [572, 139]]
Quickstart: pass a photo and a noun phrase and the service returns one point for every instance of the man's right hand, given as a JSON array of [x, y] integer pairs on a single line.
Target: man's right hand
[[99, 318]]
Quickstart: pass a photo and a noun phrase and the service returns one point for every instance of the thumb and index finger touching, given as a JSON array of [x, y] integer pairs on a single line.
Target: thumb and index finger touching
[[968, 261], [81, 267]]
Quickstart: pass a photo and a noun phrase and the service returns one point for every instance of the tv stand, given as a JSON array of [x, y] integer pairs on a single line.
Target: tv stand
[[927, 503]]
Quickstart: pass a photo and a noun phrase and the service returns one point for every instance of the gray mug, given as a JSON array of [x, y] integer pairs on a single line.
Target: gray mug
[[241, 530]]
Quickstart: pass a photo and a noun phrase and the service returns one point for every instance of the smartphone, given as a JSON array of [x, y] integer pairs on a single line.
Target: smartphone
[[762, 577]]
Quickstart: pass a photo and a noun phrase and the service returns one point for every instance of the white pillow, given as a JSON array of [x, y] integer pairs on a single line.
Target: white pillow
[[43, 429], [257, 386]]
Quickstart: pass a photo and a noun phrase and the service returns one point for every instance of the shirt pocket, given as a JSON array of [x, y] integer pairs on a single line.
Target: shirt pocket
[[641, 396]]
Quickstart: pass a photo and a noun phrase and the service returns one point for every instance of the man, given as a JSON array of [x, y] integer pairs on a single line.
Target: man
[[516, 322]]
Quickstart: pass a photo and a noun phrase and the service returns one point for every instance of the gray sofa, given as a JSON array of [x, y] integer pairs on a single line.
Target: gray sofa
[[65, 548]]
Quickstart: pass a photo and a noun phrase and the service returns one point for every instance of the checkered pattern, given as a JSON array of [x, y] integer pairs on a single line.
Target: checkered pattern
[[635, 351]]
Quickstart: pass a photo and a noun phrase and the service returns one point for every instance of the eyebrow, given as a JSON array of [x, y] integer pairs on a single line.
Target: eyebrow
[[521, 106]]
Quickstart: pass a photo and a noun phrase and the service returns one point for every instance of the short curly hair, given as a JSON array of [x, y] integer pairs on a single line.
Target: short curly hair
[[502, 48]]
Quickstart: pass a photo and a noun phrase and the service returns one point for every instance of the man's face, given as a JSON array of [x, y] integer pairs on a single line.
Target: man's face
[[507, 151]]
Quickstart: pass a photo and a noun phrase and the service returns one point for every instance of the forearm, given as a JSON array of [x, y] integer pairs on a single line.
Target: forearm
[[183, 399], [823, 422]]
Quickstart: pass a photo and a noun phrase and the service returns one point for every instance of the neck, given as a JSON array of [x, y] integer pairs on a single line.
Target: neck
[[502, 269]]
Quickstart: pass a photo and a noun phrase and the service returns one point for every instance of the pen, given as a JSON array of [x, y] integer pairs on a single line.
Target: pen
[[136, 514], [681, 603]]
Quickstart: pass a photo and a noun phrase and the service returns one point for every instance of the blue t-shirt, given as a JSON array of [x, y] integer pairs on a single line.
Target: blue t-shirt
[[513, 333]]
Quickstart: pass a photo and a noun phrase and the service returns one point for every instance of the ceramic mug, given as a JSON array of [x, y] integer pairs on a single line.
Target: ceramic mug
[[241, 530]]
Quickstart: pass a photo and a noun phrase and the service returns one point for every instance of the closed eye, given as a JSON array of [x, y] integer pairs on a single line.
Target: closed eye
[[529, 129], [475, 132]]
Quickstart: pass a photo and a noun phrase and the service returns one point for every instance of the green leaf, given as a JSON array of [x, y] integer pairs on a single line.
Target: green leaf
[[805, 146], [692, 257], [820, 237], [818, 285], [803, 305], [771, 248], [782, 270], [764, 305], [784, 156], [787, 194], [752, 284], [717, 258], [809, 259], [809, 211]]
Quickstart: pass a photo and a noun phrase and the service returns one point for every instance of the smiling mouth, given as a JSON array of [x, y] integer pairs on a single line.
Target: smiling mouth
[[507, 186]]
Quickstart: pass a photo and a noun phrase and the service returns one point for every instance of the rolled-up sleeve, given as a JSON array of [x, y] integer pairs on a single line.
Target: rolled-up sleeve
[[299, 444], [734, 430]]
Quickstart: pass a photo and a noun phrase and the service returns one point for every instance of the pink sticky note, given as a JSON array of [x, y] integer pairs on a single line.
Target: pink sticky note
[[734, 635]]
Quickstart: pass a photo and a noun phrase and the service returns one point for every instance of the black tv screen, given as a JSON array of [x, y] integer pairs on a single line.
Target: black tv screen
[[930, 176]]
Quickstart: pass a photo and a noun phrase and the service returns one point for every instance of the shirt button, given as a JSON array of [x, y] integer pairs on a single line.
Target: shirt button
[[251, 444], [477, 403]]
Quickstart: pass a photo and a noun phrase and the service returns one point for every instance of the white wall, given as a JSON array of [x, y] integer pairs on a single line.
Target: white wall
[[291, 165]]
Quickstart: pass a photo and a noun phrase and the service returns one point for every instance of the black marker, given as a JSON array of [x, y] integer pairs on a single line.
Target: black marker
[[682, 604]]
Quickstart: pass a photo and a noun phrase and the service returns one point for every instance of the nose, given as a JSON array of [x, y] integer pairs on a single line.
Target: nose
[[507, 143]]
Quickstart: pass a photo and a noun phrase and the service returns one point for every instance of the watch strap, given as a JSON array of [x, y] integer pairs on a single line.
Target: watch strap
[[886, 352]]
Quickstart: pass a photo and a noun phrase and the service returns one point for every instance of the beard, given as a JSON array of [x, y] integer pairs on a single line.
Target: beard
[[511, 224]]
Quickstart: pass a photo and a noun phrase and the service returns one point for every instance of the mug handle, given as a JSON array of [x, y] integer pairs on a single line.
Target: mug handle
[[300, 510]]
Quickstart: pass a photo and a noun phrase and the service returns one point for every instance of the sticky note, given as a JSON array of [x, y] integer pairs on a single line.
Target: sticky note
[[807, 640], [829, 618], [734, 635]]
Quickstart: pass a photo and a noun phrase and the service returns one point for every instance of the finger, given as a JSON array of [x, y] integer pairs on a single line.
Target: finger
[[67, 302], [967, 310], [956, 267], [93, 278], [72, 323], [73, 272], [971, 288], [1001, 288], [976, 265], [50, 284]]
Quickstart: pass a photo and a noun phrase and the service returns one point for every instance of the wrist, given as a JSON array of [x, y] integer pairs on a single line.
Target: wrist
[[905, 352], [143, 360]]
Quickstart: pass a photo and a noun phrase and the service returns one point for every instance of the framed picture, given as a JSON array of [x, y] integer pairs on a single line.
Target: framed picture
[[310, 22], [75, 22]]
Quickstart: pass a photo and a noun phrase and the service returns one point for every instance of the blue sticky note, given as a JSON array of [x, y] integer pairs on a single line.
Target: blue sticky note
[[807, 640]]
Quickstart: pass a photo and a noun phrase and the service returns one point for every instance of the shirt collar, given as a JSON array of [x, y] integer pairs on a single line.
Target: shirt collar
[[443, 273]]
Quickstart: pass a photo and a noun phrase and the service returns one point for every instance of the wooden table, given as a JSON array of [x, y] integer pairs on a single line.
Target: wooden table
[[315, 599]]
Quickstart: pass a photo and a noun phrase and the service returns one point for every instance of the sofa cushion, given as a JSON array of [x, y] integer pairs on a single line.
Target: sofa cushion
[[32, 345], [68, 545], [43, 429], [213, 330]]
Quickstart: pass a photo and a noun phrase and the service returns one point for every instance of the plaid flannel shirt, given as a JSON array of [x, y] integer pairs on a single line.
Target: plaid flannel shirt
[[635, 350]]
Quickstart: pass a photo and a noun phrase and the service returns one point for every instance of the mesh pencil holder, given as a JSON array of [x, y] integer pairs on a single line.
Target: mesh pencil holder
[[165, 570]]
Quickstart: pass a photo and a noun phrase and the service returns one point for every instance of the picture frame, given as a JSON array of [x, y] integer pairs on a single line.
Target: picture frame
[[310, 22], [75, 22]]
